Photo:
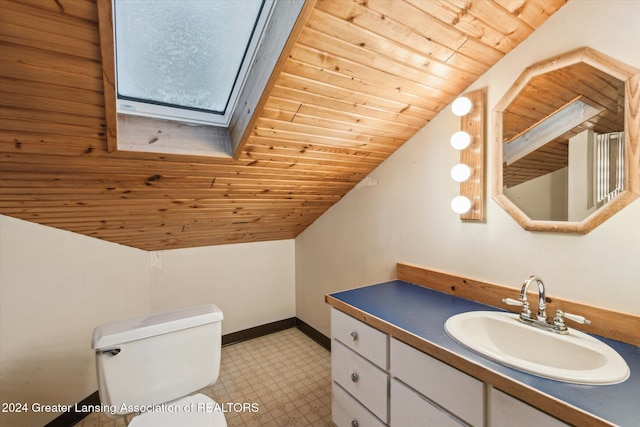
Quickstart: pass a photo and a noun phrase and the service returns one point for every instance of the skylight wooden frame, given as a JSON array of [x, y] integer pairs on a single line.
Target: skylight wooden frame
[[190, 114], [559, 122], [282, 31]]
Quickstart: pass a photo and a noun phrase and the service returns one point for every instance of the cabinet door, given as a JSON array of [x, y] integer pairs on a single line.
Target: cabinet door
[[361, 378], [448, 387], [347, 412], [506, 411], [410, 409]]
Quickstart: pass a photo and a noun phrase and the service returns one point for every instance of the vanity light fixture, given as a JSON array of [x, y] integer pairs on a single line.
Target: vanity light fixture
[[460, 140], [461, 205], [462, 106], [469, 140], [460, 172]]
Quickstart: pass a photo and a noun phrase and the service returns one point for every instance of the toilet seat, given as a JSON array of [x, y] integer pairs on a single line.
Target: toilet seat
[[200, 413]]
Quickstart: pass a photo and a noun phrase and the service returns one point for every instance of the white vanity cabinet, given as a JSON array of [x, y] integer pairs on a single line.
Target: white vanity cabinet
[[411, 409], [503, 409], [423, 391], [381, 381], [359, 361], [441, 391]]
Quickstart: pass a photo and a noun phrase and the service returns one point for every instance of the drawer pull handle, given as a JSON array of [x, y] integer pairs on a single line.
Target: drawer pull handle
[[354, 423], [354, 335], [354, 377], [110, 351]]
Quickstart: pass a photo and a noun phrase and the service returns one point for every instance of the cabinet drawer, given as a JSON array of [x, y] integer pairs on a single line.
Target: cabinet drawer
[[409, 409], [361, 378], [361, 338], [504, 409], [347, 412], [455, 391]]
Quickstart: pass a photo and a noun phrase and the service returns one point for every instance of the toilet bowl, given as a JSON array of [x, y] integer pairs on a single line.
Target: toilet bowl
[[153, 365]]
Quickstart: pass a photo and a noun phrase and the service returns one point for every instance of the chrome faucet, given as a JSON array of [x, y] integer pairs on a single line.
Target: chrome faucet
[[542, 304], [540, 321]]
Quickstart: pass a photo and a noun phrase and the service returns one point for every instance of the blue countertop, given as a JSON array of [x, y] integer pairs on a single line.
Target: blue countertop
[[423, 312]]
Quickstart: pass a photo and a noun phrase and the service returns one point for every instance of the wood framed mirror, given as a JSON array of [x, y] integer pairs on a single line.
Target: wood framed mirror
[[566, 153]]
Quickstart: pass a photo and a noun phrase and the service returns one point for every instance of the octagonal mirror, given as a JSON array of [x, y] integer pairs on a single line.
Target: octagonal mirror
[[566, 156]]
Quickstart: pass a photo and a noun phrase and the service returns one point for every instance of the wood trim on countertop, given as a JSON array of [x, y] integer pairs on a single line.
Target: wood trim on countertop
[[533, 397], [606, 323]]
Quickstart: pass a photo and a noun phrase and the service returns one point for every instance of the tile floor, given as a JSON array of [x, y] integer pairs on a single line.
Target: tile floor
[[287, 374]]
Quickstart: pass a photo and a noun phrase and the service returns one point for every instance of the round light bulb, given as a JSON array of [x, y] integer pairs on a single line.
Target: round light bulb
[[460, 172], [460, 140], [460, 205], [461, 106]]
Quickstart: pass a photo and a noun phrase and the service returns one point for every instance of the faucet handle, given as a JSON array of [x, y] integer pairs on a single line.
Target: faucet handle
[[577, 319], [524, 304], [511, 301], [574, 317]]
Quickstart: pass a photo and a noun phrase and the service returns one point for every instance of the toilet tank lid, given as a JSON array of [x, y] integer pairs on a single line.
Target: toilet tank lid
[[124, 331]]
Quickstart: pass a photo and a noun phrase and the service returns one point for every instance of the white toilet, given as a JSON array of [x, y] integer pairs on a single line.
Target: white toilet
[[152, 364]]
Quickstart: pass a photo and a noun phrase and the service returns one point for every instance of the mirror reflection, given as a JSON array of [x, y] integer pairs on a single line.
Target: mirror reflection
[[563, 143]]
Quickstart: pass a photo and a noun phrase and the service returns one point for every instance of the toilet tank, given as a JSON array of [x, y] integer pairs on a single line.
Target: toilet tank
[[159, 358]]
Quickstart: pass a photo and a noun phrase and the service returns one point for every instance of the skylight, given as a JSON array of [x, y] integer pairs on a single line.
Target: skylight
[[185, 60]]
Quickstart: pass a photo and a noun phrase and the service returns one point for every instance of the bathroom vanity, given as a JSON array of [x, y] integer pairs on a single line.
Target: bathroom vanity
[[394, 364]]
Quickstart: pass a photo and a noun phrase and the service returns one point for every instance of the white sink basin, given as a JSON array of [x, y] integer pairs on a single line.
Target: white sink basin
[[575, 358]]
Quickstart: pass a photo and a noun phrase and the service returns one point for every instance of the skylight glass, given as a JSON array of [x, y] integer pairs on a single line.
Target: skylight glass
[[185, 59]]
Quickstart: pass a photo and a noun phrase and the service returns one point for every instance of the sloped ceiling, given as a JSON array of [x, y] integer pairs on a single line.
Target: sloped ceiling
[[361, 79], [542, 97]]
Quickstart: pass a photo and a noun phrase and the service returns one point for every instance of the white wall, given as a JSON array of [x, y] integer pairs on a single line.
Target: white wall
[[543, 198], [55, 287], [406, 216], [252, 283], [580, 175]]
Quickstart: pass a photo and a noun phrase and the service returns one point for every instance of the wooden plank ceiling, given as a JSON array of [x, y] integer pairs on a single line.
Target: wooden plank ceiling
[[543, 96], [361, 79]]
